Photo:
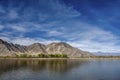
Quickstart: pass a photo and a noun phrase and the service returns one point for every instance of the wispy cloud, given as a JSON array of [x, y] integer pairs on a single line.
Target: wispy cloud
[[19, 28], [54, 33], [52, 21], [95, 40], [29, 41]]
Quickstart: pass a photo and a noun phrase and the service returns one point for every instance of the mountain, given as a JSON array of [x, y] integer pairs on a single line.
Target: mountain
[[10, 49], [37, 48], [64, 48]]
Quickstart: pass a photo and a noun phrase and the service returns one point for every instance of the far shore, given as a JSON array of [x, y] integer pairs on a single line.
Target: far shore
[[57, 58]]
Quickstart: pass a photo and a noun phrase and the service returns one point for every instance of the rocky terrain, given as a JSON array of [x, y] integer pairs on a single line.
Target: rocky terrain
[[37, 48]]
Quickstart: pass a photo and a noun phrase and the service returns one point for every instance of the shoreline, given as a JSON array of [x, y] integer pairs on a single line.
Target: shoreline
[[58, 58]]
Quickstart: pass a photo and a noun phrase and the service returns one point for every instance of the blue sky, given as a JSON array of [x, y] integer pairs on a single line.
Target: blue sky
[[90, 25]]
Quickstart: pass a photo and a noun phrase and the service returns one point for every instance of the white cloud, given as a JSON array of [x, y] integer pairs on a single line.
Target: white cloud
[[5, 38], [96, 46], [19, 28], [29, 41], [54, 33], [94, 40], [96, 33], [23, 41]]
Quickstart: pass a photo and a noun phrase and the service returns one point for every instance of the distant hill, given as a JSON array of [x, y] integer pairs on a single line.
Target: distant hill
[[37, 48], [106, 54]]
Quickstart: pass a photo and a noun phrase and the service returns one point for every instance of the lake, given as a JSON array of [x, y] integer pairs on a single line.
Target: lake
[[59, 69]]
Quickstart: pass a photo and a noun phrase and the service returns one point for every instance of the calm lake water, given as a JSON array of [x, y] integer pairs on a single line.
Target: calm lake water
[[60, 69]]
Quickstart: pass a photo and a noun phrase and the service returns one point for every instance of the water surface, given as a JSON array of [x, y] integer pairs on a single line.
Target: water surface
[[62, 69]]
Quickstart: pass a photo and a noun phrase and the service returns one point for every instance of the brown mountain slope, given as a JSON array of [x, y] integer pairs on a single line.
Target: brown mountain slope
[[64, 48], [37, 48], [9, 48]]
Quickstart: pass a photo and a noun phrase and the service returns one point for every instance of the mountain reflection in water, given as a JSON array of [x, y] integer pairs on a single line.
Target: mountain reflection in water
[[51, 65], [60, 69]]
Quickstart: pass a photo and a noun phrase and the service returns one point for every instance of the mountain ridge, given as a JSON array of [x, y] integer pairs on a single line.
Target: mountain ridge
[[37, 48]]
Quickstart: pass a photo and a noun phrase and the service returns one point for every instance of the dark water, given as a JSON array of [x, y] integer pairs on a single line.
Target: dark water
[[60, 69]]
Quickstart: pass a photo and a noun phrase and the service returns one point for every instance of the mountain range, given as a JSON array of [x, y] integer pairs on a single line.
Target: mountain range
[[10, 49]]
